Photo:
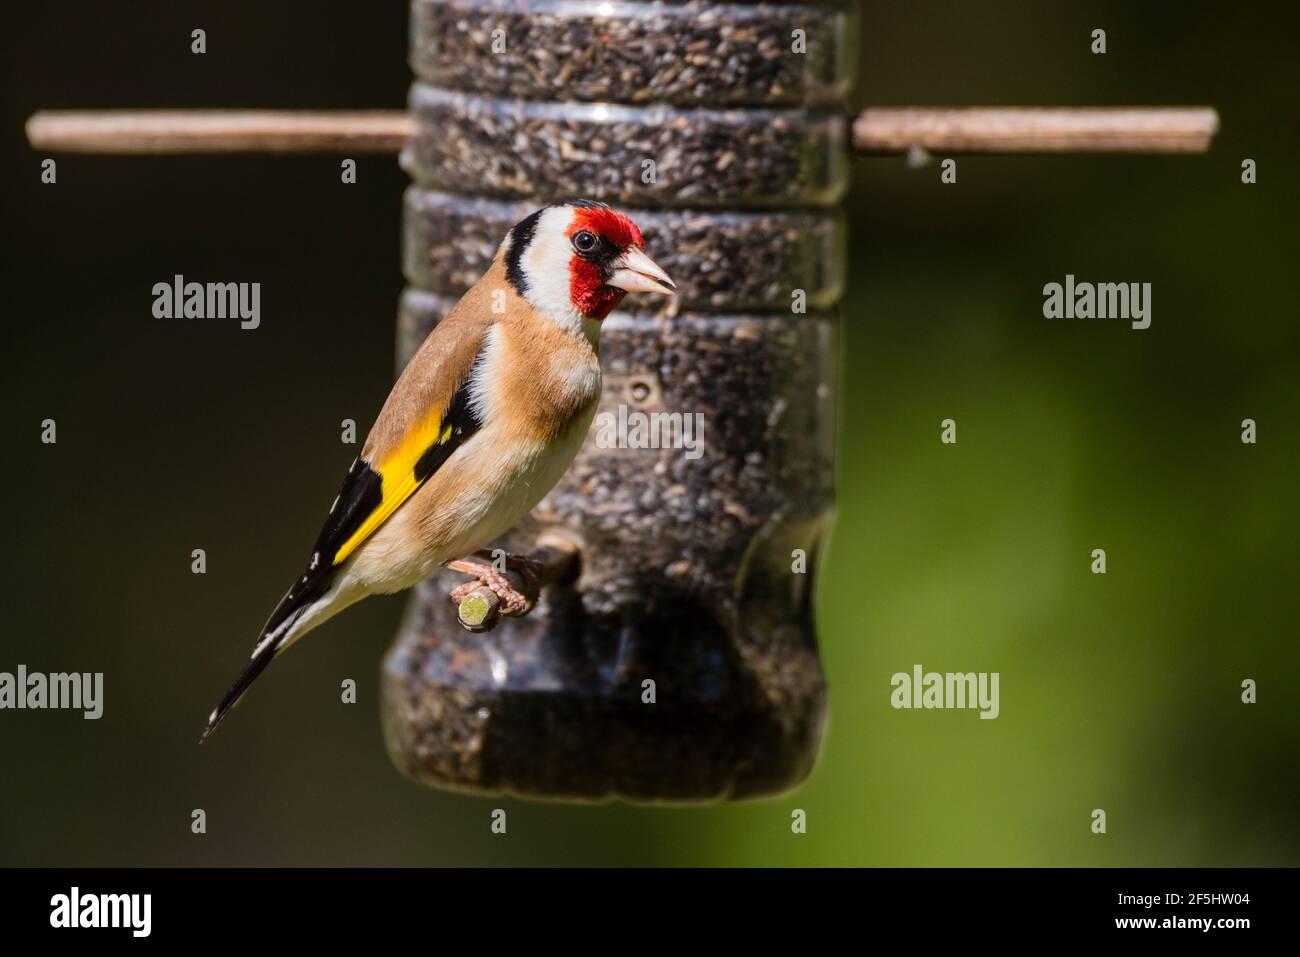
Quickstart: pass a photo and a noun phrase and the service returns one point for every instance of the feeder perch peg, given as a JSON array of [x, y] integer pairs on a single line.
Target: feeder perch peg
[[479, 608]]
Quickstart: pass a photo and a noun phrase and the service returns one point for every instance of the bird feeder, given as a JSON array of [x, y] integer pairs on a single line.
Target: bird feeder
[[673, 655], [681, 664]]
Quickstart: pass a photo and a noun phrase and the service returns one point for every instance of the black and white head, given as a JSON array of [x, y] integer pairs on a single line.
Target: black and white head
[[575, 261]]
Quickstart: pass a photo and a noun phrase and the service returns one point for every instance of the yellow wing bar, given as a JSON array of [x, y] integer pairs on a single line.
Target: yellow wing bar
[[399, 482]]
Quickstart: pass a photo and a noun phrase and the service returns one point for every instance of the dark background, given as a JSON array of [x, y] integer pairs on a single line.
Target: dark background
[[1119, 692]]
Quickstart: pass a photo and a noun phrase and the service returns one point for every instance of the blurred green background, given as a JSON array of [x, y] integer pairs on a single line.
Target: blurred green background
[[1119, 692]]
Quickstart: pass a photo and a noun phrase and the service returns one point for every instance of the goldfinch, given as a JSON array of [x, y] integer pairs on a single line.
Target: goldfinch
[[484, 420]]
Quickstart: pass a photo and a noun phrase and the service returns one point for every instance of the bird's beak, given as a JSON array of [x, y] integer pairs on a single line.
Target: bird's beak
[[637, 272]]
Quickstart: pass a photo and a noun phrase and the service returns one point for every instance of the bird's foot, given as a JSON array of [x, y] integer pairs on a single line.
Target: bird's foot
[[516, 588]]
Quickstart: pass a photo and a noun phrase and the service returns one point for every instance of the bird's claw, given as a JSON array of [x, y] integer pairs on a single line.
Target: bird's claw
[[514, 600]]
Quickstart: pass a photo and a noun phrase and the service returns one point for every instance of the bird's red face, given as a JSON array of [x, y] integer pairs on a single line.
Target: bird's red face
[[581, 258], [609, 261]]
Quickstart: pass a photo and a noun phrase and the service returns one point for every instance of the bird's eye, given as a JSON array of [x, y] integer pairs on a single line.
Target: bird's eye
[[584, 241]]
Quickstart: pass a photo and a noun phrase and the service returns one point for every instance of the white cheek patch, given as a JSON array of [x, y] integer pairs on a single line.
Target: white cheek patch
[[546, 268]]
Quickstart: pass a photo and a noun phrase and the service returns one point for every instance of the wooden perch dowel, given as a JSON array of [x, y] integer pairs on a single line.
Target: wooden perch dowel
[[877, 130], [218, 131], [555, 559], [1029, 130]]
